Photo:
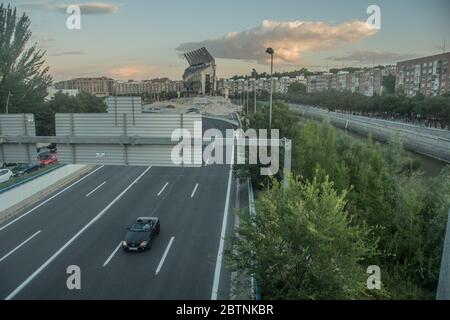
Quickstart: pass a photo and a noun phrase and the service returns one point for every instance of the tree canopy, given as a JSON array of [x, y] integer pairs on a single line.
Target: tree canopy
[[63, 103], [384, 193], [23, 77], [302, 244]]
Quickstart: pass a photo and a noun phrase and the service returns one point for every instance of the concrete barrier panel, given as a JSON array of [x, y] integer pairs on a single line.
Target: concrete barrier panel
[[16, 195]]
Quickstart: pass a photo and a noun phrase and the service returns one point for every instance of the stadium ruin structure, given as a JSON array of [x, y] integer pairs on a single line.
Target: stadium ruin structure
[[200, 77]]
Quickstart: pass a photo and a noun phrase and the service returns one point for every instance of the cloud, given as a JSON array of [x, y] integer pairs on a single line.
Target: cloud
[[128, 72], [290, 40], [89, 8], [67, 53], [374, 57], [92, 8]]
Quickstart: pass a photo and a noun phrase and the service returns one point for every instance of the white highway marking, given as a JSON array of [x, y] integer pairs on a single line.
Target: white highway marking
[[68, 243], [49, 199], [19, 246], [195, 189], [164, 255], [162, 190], [215, 288], [90, 193], [112, 254]]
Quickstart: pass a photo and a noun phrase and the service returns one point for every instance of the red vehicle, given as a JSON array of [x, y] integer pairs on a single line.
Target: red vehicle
[[48, 159]]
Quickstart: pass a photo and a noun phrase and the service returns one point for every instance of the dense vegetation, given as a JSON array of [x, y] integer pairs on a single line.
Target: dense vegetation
[[24, 79], [350, 204]]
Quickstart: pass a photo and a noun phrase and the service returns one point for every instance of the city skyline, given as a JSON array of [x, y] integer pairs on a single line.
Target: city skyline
[[140, 40]]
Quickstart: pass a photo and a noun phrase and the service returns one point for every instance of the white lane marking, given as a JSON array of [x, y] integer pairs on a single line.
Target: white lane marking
[[49, 199], [19, 246], [90, 193], [112, 254], [195, 189], [162, 190], [164, 255], [215, 288], [68, 243]]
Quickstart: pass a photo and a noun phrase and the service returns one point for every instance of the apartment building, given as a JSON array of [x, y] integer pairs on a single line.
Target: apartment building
[[239, 86], [429, 76], [366, 82], [131, 87], [320, 82], [339, 81], [101, 86]]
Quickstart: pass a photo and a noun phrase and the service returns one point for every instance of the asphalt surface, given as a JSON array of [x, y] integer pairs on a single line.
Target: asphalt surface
[[84, 225]]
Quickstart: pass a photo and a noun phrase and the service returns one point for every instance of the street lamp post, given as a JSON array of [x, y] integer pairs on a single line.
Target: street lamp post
[[254, 93], [271, 52], [254, 89], [247, 96]]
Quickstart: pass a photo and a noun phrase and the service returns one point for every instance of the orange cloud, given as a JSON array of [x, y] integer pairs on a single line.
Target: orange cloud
[[128, 72], [290, 40]]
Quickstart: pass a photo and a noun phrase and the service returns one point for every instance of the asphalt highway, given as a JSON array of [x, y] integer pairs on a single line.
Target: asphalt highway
[[84, 224]]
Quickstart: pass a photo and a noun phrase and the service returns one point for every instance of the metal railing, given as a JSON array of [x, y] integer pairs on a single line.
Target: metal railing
[[417, 139]]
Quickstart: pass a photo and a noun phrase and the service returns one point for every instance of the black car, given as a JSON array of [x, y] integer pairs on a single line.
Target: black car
[[141, 234], [6, 165], [52, 148], [25, 168]]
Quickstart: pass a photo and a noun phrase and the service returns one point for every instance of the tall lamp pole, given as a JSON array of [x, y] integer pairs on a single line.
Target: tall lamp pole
[[254, 88], [271, 52], [247, 95]]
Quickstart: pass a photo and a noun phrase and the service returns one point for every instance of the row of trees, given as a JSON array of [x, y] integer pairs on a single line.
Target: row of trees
[[430, 111], [291, 74], [24, 78], [350, 204], [62, 103]]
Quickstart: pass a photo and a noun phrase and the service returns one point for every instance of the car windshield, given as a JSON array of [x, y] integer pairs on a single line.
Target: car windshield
[[140, 227], [3, 172], [44, 155]]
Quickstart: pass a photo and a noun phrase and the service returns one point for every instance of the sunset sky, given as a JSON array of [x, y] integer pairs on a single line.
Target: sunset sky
[[143, 39]]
